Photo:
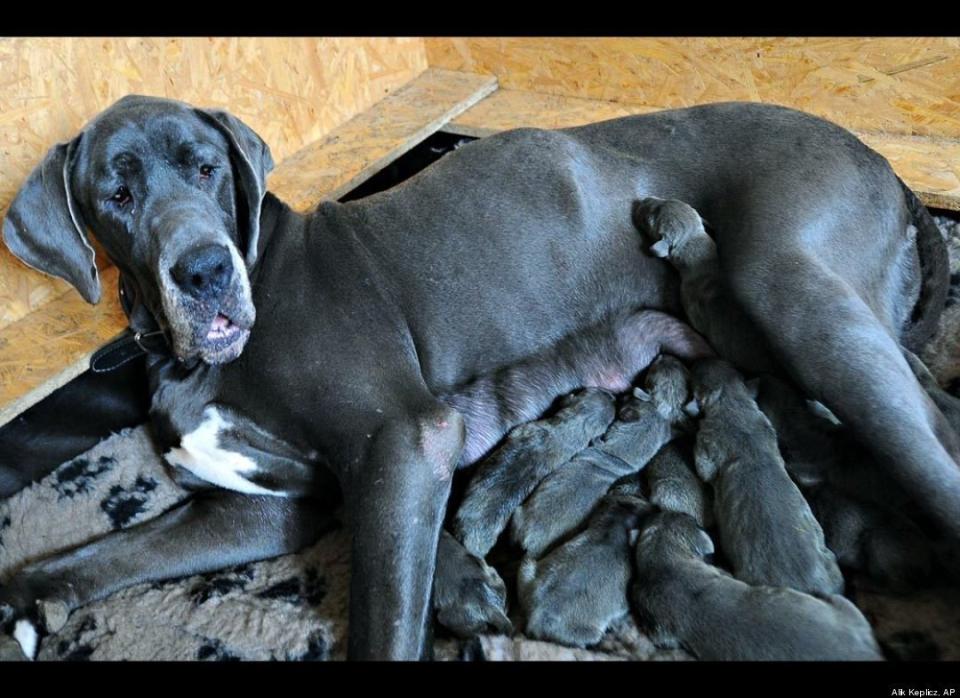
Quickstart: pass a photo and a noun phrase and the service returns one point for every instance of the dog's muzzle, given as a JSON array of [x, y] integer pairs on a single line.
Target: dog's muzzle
[[207, 303]]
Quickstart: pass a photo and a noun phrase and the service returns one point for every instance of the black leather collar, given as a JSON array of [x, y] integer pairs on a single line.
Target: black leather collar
[[134, 342]]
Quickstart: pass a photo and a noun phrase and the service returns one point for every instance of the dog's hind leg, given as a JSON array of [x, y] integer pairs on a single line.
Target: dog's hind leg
[[841, 354], [209, 532], [948, 405]]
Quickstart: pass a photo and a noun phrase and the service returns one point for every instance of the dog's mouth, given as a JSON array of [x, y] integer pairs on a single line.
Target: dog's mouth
[[214, 332], [226, 336], [222, 329]]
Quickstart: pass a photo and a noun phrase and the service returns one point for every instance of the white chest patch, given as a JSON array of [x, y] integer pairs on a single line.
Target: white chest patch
[[200, 453]]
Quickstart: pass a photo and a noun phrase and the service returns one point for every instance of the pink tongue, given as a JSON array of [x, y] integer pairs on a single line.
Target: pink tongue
[[220, 323]]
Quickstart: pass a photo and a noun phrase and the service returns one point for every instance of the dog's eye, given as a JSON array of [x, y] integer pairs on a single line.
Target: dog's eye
[[121, 197], [206, 171]]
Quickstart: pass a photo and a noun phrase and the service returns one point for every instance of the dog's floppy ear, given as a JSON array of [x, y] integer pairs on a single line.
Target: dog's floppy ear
[[43, 227], [252, 162]]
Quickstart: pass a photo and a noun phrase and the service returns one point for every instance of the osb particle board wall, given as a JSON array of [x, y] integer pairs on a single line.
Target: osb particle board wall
[[899, 85], [291, 90]]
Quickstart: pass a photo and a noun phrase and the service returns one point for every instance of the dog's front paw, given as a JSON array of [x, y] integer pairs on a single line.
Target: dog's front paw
[[11, 650], [32, 605], [469, 596], [21, 634]]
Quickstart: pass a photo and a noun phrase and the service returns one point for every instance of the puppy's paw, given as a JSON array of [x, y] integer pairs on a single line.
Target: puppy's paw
[[469, 596]]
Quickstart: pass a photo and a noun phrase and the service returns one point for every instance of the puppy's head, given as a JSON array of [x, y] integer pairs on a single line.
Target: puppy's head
[[667, 383], [714, 379], [672, 535], [173, 194], [668, 225]]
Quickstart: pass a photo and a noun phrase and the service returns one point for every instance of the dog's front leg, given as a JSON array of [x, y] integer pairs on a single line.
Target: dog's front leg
[[396, 498], [210, 531]]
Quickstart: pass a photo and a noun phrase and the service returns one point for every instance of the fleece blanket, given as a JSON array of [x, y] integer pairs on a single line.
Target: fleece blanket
[[295, 607]]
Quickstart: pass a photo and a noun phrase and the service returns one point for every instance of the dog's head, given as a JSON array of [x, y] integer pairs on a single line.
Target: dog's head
[[173, 194]]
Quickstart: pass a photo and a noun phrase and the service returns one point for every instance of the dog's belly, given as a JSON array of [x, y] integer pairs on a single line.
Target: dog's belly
[[491, 273]]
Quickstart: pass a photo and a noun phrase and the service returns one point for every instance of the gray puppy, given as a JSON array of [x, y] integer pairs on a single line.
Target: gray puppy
[[652, 417], [468, 595], [856, 503], [766, 527], [564, 499], [530, 452], [876, 541], [682, 600], [579, 589], [674, 485], [679, 236], [818, 450]]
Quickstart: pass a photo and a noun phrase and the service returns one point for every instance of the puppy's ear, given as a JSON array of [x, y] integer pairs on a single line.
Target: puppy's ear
[[702, 543], [43, 226], [252, 162], [660, 249]]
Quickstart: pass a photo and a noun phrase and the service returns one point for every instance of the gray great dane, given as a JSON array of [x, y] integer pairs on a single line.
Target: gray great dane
[[307, 344]]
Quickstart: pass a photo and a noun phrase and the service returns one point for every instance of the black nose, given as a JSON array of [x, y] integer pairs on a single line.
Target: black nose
[[204, 272]]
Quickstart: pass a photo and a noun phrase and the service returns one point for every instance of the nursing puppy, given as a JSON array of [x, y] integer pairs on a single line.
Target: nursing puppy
[[650, 418], [607, 355], [579, 589], [682, 600], [562, 502], [679, 236], [818, 450], [858, 506], [530, 452], [674, 486], [880, 543], [766, 527]]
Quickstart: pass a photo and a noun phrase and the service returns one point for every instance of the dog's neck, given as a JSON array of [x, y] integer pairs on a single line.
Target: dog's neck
[[276, 217]]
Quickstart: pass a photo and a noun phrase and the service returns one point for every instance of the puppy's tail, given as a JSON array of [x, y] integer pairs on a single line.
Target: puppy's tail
[[934, 275]]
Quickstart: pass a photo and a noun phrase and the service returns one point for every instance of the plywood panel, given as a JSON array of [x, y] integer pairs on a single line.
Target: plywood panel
[[902, 85], [348, 156], [292, 91], [53, 344], [931, 166]]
